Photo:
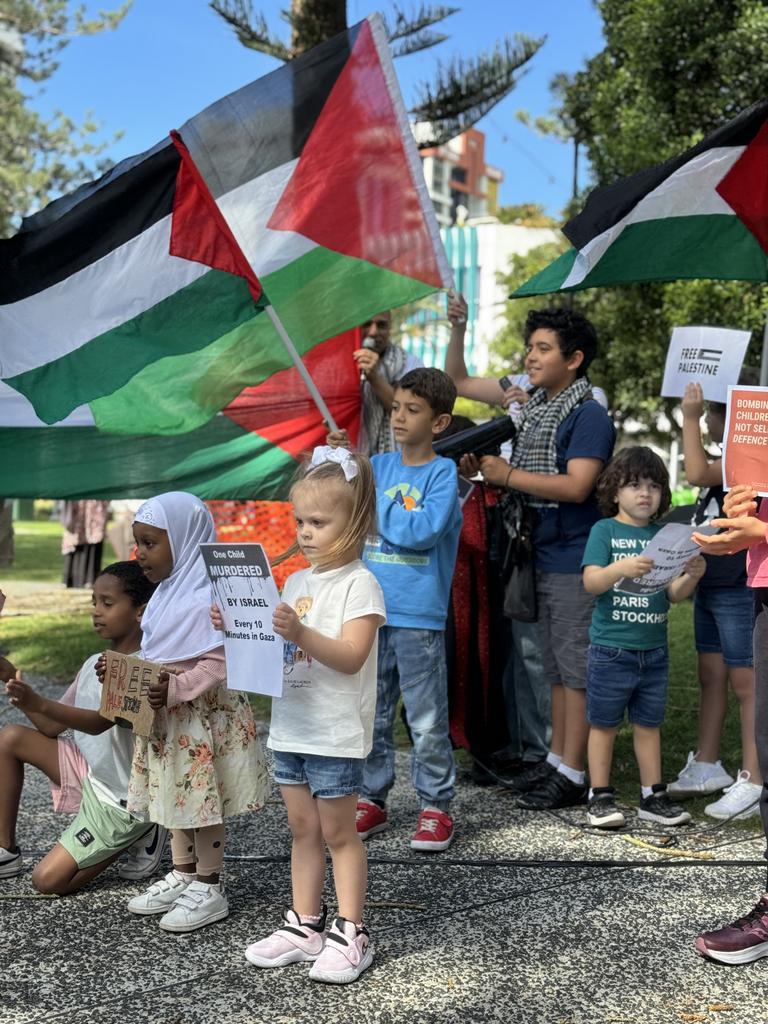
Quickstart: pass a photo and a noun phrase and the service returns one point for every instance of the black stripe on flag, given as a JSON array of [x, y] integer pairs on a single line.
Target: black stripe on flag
[[56, 244], [606, 206], [265, 124]]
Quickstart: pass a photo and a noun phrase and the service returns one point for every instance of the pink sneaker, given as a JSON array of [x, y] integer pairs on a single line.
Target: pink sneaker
[[434, 831], [370, 818], [296, 942], [347, 953]]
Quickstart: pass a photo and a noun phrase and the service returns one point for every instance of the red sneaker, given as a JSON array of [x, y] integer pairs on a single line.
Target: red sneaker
[[370, 818], [434, 831]]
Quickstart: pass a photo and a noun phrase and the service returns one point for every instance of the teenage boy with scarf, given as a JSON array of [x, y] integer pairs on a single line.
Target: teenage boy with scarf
[[564, 440]]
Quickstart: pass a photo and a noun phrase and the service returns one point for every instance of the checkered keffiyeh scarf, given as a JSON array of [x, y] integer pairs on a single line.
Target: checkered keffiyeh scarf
[[376, 425], [535, 448]]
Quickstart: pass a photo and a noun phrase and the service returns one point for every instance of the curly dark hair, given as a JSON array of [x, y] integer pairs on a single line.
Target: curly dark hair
[[574, 333], [434, 386], [133, 581], [627, 465]]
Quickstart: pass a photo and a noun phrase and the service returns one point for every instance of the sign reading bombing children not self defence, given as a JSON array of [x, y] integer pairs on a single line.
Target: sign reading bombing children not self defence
[[247, 596], [745, 443]]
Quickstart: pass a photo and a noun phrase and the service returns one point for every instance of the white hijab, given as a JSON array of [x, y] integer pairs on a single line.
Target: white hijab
[[176, 624]]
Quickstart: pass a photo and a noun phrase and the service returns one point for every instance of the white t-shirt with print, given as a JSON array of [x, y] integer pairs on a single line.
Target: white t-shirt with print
[[323, 711], [109, 755]]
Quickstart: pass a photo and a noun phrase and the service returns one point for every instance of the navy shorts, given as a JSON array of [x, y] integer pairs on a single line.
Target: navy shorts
[[631, 681], [723, 620], [327, 777]]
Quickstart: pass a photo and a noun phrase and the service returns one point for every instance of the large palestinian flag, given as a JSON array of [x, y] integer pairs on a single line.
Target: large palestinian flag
[[703, 214], [135, 305]]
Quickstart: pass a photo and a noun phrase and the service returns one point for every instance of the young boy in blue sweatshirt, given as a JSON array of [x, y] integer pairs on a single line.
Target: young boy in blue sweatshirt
[[413, 557]]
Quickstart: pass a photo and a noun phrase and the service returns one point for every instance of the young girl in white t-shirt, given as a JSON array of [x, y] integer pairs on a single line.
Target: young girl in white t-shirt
[[322, 726]]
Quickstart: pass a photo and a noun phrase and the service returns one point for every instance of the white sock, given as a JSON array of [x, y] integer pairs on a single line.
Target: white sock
[[577, 778], [646, 791], [554, 759], [184, 876]]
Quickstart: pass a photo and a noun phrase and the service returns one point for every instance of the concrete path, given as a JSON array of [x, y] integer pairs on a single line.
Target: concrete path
[[527, 918]]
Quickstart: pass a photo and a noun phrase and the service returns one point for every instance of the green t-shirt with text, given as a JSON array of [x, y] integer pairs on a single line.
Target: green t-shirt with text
[[628, 621]]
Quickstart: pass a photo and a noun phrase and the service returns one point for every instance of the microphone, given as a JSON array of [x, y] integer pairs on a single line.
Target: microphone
[[368, 343]]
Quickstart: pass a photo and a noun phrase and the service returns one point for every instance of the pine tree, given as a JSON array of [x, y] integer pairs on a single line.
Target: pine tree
[[464, 89]]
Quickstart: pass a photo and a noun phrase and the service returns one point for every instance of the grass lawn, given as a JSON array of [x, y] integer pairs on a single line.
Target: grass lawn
[[38, 552]]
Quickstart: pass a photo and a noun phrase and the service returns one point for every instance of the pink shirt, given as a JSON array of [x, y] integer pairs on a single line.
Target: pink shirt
[[191, 678], [757, 556]]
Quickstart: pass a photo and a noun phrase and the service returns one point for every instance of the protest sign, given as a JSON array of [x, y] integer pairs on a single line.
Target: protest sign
[[669, 550], [710, 356], [745, 442], [247, 596], [124, 693]]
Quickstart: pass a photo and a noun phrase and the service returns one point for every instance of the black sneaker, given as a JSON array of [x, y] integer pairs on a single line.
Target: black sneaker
[[660, 807], [555, 791], [532, 777], [602, 811]]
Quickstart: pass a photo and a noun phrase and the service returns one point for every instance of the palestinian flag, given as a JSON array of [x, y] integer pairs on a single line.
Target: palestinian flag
[[136, 303], [703, 214], [247, 451]]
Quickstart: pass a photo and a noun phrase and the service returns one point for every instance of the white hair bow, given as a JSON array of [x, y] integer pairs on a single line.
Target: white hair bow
[[341, 456]]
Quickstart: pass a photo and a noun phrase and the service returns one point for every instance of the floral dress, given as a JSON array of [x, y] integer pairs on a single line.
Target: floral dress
[[204, 761]]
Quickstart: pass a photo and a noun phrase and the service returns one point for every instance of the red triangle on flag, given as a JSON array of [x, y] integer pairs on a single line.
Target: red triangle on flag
[[745, 186], [282, 410], [353, 190]]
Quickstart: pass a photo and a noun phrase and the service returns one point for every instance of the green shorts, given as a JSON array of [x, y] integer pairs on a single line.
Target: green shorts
[[100, 830]]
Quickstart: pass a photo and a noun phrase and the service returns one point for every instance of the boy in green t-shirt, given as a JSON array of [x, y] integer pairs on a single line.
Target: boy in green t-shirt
[[628, 659]]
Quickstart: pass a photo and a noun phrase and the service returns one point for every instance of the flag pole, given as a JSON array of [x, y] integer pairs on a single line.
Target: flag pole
[[318, 399]]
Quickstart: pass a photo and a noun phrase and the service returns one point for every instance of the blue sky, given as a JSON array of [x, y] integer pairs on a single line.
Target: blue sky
[[170, 58]]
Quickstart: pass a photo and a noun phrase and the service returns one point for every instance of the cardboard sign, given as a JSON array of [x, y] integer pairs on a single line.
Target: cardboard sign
[[745, 442], [710, 356], [124, 694], [669, 550], [247, 596]]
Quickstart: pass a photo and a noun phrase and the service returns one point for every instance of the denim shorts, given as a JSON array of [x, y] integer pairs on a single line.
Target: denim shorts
[[327, 777], [632, 681], [723, 619]]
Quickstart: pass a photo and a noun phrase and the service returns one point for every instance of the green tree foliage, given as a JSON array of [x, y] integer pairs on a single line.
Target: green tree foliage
[[39, 158], [463, 89], [669, 74]]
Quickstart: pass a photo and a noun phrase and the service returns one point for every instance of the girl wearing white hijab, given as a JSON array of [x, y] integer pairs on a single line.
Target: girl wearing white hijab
[[203, 761]]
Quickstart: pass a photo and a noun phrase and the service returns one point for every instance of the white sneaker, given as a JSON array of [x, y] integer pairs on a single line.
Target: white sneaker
[[143, 858], [348, 951], [699, 777], [10, 863], [741, 800], [160, 896], [201, 903]]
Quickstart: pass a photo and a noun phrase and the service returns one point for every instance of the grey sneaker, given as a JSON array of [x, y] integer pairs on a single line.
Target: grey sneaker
[[602, 811], [160, 896], [10, 862], [143, 858], [659, 807]]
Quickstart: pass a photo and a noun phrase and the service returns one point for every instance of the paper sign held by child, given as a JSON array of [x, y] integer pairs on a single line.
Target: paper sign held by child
[[710, 356], [124, 694], [745, 442]]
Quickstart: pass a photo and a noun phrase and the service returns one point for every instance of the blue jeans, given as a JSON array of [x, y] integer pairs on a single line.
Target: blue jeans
[[527, 694], [723, 618], [412, 663], [633, 681], [327, 777]]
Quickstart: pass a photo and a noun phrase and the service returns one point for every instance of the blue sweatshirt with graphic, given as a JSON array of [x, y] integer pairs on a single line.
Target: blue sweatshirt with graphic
[[413, 556]]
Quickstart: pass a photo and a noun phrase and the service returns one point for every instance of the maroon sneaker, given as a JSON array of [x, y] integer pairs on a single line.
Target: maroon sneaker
[[741, 942]]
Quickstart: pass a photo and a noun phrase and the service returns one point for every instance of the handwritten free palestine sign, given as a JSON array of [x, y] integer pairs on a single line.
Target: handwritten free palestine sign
[[745, 442], [125, 691], [247, 596], [710, 356]]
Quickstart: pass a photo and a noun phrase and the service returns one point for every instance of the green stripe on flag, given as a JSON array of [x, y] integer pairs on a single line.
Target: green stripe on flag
[[313, 296], [676, 248], [220, 460], [185, 322]]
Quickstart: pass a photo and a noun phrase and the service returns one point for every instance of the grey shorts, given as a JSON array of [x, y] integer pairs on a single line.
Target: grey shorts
[[565, 615]]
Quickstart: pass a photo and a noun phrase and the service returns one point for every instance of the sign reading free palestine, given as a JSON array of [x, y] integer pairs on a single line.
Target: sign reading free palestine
[[710, 356]]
